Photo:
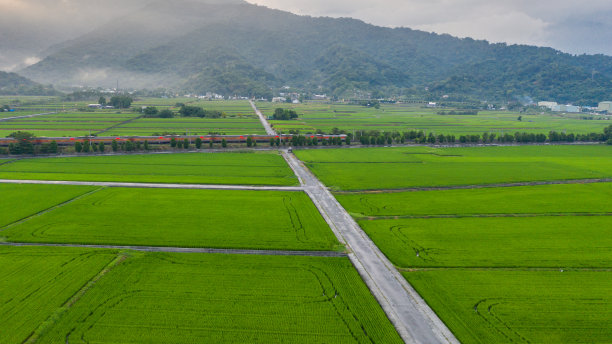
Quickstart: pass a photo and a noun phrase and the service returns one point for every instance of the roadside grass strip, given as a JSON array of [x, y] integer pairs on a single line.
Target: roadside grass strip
[[36, 282], [562, 306], [183, 218], [219, 168], [407, 167], [194, 298]]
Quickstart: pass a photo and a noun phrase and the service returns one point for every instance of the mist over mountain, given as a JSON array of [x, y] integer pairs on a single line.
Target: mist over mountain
[[232, 47]]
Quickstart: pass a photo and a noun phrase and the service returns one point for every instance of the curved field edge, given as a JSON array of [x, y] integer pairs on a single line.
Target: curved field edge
[[227, 299]]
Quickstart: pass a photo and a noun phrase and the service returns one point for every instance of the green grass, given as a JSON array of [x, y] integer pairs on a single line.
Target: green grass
[[193, 126], [520, 306], [541, 199], [185, 218], [163, 298], [556, 241], [20, 201], [397, 168], [218, 168], [36, 282]]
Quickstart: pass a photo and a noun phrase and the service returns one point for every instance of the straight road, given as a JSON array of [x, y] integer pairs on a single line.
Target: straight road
[[188, 250], [263, 120], [412, 317], [156, 186], [26, 116]]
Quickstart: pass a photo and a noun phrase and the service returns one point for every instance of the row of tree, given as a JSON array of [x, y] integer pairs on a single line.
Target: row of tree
[[196, 111], [284, 114]]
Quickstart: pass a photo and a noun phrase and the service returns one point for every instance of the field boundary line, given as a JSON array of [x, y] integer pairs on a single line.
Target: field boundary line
[[53, 318], [156, 185], [330, 254], [50, 209], [27, 116], [506, 268], [413, 319], [483, 186], [483, 216]]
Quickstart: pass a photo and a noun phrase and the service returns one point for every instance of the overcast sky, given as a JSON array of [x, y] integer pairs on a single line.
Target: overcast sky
[[28, 26]]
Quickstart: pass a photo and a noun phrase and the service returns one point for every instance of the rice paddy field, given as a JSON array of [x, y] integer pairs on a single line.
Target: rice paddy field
[[225, 299], [181, 218], [414, 167], [262, 168], [514, 264], [37, 283], [67, 124], [401, 117], [240, 120]]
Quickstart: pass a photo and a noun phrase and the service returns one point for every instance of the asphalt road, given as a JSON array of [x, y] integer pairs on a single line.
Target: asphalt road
[[263, 120], [189, 250], [156, 186], [412, 317]]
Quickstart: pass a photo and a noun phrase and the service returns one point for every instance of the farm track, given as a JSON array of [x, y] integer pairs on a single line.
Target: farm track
[[27, 116], [155, 185], [414, 320], [189, 250], [263, 120], [484, 186], [461, 216], [118, 124]]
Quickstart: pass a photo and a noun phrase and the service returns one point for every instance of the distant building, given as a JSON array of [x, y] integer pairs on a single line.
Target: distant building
[[549, 105], [94, 106], [319, 97], [279, 100], [566, 108], [605, 106], [432, 105]]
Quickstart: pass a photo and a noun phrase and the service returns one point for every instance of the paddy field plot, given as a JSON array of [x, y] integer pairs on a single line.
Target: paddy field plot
[[506, 242], [195, 298], [35, 283], [407, 167], [553, 306], [21, 201], [66, 124], [527, 200], [193, 126], [399, 117], [217, 168], [183, 218]]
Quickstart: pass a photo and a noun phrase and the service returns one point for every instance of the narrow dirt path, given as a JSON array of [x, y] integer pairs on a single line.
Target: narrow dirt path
[[155, 185], [188, 250]]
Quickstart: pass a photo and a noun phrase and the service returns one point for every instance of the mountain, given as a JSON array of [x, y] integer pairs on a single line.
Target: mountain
[[12, 84], [232, 47]]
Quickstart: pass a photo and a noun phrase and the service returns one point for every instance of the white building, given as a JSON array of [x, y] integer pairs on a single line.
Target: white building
[[605, 106], [549, 105], [566, 108]]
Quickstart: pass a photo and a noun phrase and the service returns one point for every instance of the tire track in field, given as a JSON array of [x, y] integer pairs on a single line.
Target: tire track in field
[[118, 125], [483, 186], [153, 249], [27, 218]]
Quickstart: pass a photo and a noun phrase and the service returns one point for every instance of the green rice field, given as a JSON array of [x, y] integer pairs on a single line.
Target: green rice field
[[197, 298], [21, 201], [37, 283], [192, 126], [399, 168], [399, 117], [182, 218], [551, 306], [215, 168]]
